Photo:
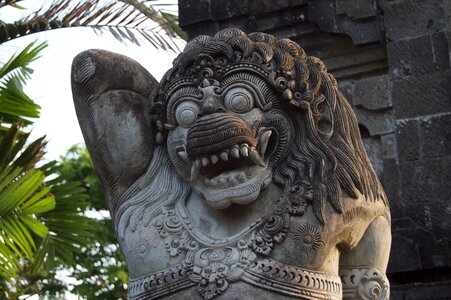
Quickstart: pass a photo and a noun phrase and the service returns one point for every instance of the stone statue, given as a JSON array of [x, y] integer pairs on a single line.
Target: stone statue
[[241, 175]]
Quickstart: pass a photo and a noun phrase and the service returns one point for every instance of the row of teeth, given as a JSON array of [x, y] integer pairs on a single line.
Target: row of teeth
[[223, 181], [235, 152]]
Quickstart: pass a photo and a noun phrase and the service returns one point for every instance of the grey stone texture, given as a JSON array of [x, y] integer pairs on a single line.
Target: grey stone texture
[[392, 62]]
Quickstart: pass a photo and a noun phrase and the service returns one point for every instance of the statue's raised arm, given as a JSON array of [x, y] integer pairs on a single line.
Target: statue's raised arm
[[241, 175], [112, 95]]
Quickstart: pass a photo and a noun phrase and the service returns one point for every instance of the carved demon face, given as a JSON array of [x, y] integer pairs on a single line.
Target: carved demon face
[[225, 139]]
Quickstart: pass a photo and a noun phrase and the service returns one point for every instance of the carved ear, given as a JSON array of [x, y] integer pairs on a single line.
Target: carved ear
[[112, 95]]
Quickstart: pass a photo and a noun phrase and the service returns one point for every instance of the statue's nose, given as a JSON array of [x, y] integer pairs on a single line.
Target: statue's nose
[[211, 105]]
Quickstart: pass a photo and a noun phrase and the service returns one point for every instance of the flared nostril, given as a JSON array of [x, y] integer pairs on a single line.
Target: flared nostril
[[211, 108]]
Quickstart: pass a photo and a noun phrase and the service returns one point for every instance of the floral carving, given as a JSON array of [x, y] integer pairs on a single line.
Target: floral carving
[[213, 269], [274, 229], [176, 240], [143, 247], [308, 238], [299, 196]]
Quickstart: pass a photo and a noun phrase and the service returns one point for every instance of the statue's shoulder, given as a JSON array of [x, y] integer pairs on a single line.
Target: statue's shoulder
[[357, 215]]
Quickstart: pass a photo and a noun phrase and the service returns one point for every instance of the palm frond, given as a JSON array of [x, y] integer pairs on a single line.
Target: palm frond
[[20, 200], [15, 105], [117, 16], [22, 196], [19, 62], [69, 229]]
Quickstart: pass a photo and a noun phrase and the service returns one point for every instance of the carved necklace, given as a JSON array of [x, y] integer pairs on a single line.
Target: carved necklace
[[214, 263]]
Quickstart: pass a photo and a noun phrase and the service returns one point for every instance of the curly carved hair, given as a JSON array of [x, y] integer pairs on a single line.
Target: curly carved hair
[[327, 146]]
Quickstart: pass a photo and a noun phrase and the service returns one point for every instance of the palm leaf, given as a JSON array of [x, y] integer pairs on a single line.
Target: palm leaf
[[21, 60], [68, 228], [19, 190], [117, 16], [15, 105]]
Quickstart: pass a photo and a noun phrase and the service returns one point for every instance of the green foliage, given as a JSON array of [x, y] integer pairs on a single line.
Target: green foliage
[[41, 213], [101, 268], [15, 105], [22, 194], [77, 165]]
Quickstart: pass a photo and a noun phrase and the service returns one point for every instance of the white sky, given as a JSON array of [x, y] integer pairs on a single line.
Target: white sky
[[50, 83]]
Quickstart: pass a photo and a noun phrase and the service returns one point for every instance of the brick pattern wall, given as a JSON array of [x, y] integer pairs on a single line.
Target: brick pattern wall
[[392, 61], [418, 180]]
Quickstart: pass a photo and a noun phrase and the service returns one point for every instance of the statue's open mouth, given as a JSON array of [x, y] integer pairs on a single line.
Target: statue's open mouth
[[228, 159], [232, 165]]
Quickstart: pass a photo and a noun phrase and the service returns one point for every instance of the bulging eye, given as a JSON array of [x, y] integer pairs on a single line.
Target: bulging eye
[[239, 100], [186, 113]]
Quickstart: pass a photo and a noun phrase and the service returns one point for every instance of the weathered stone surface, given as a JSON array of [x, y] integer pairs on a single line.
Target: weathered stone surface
[[252, 184], [409, 145], [423, 291], [357, 9], [407, 256], [377, 122], [228, 9], [427, 137], [389, 146], [194, 11], [346, 87], [423, 181], [430, 93], [284, 18], [412, 18], [372, 93], [257, 7], [324, 13], [391, 180], [435, 134], [374, 150], [418, 56]]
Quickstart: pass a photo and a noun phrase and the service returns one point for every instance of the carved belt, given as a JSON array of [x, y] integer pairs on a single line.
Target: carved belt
[[293, 281], [267, 274], [160, 284]]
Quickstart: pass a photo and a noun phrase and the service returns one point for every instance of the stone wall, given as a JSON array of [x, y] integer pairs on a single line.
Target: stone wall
[[392, 60]]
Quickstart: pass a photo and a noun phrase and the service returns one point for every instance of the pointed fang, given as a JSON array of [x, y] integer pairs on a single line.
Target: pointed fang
[[183, 155], [255, 157], [264, 139]]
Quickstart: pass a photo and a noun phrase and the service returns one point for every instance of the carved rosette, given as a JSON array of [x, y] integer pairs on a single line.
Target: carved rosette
[[364, 284], [307, 238]]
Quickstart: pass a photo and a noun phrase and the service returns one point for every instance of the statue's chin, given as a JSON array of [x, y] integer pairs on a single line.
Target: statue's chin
[[243, 193]]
